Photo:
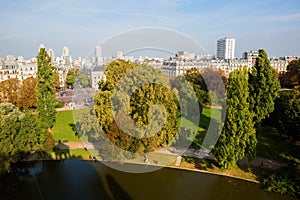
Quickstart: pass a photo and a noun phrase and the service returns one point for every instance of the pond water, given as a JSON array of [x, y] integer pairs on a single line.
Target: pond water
[[76, 179]]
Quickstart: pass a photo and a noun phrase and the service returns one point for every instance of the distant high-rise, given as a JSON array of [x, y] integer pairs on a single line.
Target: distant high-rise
[[66, 51], [225, 48], [98, 51], [67, 57], [98, 55], [51, 54]]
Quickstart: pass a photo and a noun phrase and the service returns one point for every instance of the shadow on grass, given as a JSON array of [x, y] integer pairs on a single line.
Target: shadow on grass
[[260, 173], [203, 126], [204, 121], [74, 129], [274, 146], [62, 152], [199, 163]]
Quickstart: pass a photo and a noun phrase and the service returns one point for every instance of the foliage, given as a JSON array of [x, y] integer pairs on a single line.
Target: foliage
[[31, 137], [216, 82], [56, 81], [27, 97], [292, 76], [83, 79], [140, 106], [293, 112], [286, 115], [20, 134], [76, 75], [284, 181], [237, 138], [263, 87], [45, 91], [10, 122], [199, 87], [10, 90], [71, 77], [59, 104], [194, 76]]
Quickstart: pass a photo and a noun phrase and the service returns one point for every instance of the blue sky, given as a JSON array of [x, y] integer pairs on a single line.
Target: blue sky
[[270, 24]]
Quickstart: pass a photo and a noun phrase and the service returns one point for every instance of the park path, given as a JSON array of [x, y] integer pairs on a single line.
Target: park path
[[196, 153]]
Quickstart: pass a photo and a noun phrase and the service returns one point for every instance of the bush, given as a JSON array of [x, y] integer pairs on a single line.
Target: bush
[[59, 104], [283, 181]]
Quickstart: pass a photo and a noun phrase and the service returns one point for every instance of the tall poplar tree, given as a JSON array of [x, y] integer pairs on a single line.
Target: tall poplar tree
[[45, 91], [263, 87], [238, 134]]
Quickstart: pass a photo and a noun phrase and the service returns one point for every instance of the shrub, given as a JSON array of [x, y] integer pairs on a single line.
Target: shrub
[[59, 104], [283, 181]]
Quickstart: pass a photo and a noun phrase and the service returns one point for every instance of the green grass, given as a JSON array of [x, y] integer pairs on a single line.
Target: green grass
[[210, 166], [205, 118], [62, 129], [70, 154], [273, 146]]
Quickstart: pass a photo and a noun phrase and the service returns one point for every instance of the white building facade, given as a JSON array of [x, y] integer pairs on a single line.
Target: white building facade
[[226, 48]]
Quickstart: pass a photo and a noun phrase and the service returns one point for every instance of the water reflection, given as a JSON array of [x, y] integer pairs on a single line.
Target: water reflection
[[74, 179]]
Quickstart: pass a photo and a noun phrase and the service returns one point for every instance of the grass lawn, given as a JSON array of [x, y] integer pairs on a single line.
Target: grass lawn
[[245, 172], [70, 154], [63, 127], [205, 119], [273, 146]]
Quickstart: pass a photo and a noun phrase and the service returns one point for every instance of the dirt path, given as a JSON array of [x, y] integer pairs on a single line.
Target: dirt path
[[257, 162], [263, 163]]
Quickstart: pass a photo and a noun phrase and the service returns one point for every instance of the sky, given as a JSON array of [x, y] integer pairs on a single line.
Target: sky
[[81, 25]]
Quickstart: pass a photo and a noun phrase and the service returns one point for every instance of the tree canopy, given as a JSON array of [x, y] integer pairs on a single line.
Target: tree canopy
[[292, 76], [27, 97], [20, 134], [237, 138], [45, 91], [263, 87], [138, 115], [10, 90], [76, 75], [286, 115], [71, 77]]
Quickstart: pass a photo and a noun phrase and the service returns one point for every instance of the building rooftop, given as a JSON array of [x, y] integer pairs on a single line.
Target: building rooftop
[[98, 68]]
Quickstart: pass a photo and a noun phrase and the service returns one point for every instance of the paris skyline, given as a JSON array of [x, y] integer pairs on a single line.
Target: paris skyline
[[272, 25]]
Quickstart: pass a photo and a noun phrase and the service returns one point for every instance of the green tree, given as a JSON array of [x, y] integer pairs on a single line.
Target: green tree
[[56, 82], [31, 137], [27, 97], [194, 77], [286, 115], [263, 87], [83, 79], [20, 135], [140, 106], [294, 111], [45, 91], [237, 138], [10, 122], [71, 78]]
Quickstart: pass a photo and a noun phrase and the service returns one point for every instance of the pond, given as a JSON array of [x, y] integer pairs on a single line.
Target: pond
[[77, 179]]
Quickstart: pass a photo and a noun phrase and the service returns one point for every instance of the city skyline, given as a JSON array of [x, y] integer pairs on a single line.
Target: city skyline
[[272, 25]]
